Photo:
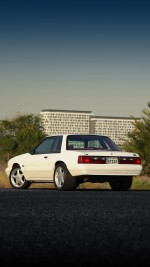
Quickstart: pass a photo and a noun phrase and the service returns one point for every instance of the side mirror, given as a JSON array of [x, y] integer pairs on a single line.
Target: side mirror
[[32, 151]]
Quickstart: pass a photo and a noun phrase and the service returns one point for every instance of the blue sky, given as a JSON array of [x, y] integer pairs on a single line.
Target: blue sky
[[77, 55]]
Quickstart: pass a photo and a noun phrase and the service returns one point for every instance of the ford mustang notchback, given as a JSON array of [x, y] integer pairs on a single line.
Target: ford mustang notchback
[[68, 160]]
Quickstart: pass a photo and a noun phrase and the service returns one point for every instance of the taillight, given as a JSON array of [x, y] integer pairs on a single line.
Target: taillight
[[91, 160], [130, 160], [137, 161]]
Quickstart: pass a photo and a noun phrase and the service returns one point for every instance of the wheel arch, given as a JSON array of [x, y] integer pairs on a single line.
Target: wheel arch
[[16, 165], [58, 162]]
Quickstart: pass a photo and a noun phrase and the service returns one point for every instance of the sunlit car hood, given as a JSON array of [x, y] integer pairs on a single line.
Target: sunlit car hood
[[19, 157]]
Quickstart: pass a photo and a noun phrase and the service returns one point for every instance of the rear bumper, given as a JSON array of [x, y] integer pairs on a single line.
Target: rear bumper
[[107, 170]]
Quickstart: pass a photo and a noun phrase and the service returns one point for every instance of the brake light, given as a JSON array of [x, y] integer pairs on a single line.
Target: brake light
[[137, 161], [130, 160], [83, 159], [91, 160]]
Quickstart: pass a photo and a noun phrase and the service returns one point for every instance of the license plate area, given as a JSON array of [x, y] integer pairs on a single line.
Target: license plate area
[[112, 160]]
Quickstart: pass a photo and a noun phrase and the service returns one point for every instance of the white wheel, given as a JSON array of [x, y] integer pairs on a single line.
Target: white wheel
[[59, 176], [17, 179], [63, 180]]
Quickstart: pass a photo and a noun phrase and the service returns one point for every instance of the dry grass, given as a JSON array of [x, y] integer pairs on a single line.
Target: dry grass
[[139, 183], [4, 182]]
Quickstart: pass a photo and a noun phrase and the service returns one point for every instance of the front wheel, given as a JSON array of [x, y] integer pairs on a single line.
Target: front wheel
[[63, 180], [17, 179], [122, 183]]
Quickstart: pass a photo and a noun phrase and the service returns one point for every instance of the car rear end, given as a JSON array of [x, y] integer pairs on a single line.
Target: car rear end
[[106, 163]]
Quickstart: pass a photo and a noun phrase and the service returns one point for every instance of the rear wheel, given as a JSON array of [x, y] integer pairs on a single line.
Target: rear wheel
[[121, 183], [17, 179], [63, 180]]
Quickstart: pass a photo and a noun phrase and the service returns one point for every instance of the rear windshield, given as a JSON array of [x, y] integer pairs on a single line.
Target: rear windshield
[[92, 142]]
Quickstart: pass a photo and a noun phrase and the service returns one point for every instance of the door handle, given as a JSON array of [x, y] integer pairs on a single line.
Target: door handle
[[45, 157]]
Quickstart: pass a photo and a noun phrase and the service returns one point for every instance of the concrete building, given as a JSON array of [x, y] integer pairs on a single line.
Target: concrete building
[[66, 121], [84, 122], [116, 128]]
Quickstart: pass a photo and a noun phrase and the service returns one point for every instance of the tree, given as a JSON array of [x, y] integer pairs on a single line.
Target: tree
[[19, 135], [139, 139]]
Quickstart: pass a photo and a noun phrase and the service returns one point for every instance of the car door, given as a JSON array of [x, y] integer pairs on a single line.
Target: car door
[[38, 167]]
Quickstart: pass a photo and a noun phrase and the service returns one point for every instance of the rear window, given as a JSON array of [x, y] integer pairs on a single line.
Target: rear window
[[92, 142]]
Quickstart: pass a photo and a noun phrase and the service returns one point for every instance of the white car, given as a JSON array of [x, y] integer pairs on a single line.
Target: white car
[[68, 160]]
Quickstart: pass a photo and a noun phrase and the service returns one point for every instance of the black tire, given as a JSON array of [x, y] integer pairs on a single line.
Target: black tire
[[121, 183], [17, 179], [63, 180]]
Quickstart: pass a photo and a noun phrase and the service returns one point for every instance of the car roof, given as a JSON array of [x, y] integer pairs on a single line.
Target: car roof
[[65, 135]]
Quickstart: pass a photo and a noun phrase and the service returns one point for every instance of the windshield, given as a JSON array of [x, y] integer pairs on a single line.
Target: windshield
[[92, 142]]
